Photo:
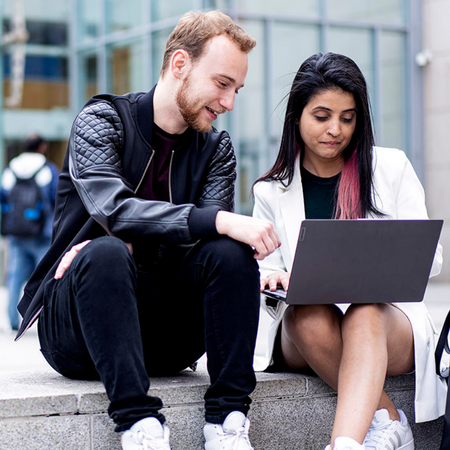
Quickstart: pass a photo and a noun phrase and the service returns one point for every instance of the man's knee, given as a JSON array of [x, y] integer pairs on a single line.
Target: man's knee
[[106, 252], [106, 246]]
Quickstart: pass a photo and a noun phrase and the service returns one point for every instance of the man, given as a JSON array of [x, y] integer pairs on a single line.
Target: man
[[28, 225], [149, 171]]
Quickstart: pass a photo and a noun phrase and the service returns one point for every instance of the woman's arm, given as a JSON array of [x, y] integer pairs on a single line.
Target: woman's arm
[[263, 210]]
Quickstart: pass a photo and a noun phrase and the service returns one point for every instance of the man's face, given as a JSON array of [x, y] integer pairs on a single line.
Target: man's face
[[210, 86]]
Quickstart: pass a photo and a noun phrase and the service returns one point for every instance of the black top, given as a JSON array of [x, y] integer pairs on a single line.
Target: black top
[[156, 182], [319, 195]]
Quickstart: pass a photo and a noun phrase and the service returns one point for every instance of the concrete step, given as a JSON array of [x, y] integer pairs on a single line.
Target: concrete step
[[42, 410]]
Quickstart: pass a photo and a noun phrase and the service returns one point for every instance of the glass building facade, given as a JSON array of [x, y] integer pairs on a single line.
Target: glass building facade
[[81, 47]]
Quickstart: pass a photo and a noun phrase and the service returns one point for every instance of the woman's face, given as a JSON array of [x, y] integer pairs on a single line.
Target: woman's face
[[327, 125]]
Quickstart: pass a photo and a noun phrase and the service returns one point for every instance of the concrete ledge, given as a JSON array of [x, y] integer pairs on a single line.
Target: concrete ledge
[[42, 410]]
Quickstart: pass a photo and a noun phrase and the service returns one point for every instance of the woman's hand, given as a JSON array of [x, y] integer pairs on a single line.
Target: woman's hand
[[274, 279]]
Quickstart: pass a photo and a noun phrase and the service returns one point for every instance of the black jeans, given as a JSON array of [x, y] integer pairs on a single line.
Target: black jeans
[[105, 320]]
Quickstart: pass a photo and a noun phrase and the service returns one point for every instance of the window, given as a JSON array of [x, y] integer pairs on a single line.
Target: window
[[121, 47]]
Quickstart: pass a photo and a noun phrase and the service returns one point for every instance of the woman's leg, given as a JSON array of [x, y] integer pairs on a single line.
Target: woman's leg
[[377, 341], [311, 338], [317, 337]]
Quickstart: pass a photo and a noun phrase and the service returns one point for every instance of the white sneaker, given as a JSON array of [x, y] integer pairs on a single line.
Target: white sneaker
[[147, 434], [387, 434], [231, 435]]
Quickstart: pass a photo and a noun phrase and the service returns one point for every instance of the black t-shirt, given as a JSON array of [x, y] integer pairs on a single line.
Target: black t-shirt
[[156, 181], [319, 195]]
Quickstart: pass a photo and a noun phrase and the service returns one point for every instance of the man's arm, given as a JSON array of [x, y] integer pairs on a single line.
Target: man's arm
[[258, 233], [218, 192]]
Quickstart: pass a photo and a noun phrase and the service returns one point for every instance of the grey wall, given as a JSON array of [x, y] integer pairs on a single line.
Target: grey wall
[[436, 39]]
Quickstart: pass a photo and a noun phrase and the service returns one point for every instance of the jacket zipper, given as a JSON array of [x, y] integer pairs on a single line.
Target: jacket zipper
[[170, 176], [141, 180], [145, 171]]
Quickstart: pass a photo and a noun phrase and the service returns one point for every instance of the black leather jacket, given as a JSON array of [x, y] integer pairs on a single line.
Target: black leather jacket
[[107, 158]]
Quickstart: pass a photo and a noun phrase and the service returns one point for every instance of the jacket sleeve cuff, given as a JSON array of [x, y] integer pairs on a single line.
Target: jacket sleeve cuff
[[202, 222]]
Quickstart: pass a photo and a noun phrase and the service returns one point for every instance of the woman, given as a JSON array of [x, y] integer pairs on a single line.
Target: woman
[[327, 168]]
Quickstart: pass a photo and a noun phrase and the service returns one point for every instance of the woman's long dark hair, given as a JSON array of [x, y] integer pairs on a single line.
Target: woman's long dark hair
[[317, 74]]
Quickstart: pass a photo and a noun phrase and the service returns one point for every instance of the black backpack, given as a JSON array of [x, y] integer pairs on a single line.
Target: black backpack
[[23, 213]]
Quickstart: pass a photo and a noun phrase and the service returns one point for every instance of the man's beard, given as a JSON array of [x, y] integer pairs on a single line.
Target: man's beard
[[188, 109]]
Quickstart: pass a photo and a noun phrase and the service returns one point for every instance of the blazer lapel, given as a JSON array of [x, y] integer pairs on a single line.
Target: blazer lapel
[[292, 208]]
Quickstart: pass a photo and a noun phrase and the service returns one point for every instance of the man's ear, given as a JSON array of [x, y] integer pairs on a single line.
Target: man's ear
[[179, 63]]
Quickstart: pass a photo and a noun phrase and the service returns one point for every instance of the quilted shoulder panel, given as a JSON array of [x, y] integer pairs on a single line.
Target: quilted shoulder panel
[[222, 175], [98, 136]]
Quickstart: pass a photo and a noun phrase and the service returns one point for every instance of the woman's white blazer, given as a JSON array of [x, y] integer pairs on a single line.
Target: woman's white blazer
[[399, 194]]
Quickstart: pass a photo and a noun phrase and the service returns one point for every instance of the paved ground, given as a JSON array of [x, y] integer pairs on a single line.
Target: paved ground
[[25, 354], [21, 355]]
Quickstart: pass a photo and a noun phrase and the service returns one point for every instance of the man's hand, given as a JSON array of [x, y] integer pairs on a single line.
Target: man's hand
[[67, 259], [274, 279], [258, 233]]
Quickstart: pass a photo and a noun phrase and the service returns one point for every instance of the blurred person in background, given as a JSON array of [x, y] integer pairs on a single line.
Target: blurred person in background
[[28, 190]]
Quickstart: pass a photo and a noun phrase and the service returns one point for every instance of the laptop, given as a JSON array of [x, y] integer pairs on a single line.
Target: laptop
[[361, 261]]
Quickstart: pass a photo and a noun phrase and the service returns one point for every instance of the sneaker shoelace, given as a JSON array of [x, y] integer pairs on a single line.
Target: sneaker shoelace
[[237, 437], [150, 443], [376, 434]]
